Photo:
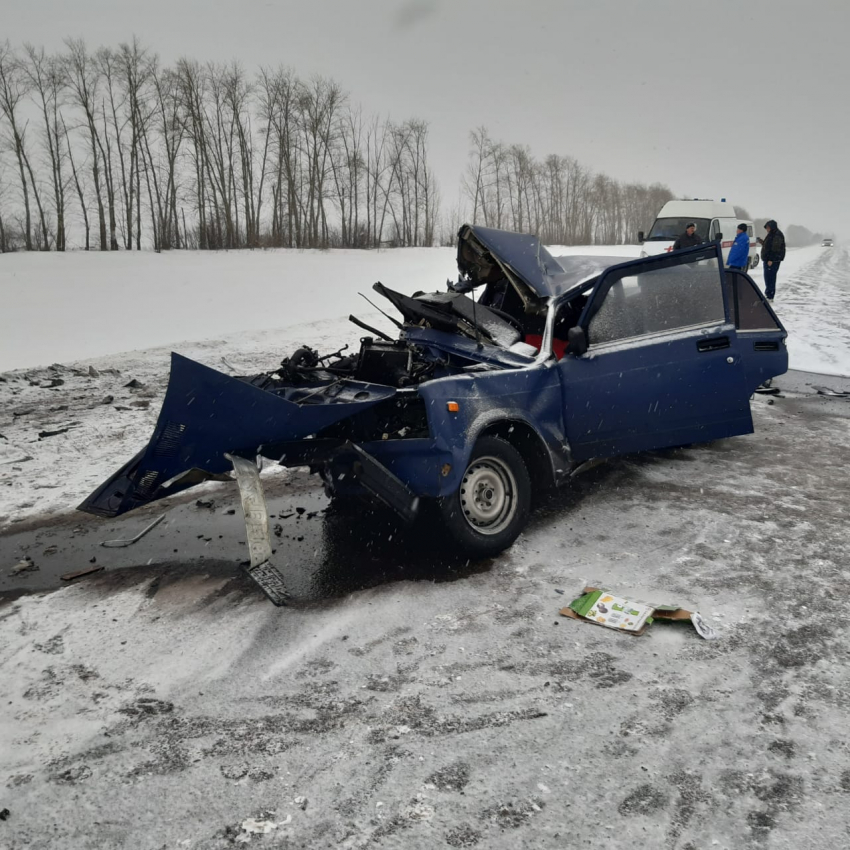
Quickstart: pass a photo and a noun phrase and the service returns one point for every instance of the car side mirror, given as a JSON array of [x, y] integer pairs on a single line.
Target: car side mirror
[[640, 236], [577, 339], [719, 237]]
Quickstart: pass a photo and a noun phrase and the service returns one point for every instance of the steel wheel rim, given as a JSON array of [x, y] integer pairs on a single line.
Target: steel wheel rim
[[488, 495]]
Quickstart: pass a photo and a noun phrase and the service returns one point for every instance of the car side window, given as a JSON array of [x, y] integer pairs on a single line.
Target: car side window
[[751, 313], [665, 298]]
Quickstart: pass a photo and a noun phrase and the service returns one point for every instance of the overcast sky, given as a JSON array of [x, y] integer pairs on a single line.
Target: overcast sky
[[745, 100]]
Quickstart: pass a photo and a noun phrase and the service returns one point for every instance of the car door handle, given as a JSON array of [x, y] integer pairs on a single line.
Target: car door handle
[[714, 343]]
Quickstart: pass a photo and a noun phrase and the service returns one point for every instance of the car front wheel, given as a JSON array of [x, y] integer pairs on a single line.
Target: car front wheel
[[491, 506]]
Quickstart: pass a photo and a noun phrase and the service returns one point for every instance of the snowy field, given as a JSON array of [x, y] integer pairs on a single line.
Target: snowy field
[[166, 706], [62, 309]]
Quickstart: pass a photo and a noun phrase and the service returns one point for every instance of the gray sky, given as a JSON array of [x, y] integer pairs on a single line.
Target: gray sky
[[745, 100]]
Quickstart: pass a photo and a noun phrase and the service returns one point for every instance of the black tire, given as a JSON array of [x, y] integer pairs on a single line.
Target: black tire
[[490, 508]]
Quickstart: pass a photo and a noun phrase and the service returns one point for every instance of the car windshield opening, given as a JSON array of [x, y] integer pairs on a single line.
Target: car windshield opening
[[667, 229]]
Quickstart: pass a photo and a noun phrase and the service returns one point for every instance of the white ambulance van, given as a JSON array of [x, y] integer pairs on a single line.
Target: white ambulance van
[[714, 220]]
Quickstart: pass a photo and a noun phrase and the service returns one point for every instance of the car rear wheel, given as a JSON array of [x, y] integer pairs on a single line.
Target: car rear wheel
[[491, 506]]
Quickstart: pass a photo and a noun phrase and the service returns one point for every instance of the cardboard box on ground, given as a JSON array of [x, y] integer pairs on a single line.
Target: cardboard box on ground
[[605, 608]]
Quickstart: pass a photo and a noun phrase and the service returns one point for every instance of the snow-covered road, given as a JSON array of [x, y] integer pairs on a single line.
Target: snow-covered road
[[813, 300]]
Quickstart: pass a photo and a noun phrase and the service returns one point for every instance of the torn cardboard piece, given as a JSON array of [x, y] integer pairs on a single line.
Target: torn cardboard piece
[[605, 608]]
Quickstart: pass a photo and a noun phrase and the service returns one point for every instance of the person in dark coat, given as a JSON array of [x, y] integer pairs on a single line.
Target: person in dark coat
[[772, 254], [739, 255], [688, 239]]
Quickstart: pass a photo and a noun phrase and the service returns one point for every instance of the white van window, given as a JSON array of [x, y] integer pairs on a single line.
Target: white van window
[[672, 228]]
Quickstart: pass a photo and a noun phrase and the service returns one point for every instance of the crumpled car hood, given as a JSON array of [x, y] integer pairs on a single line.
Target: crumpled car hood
[[483, 254], [207, 414]]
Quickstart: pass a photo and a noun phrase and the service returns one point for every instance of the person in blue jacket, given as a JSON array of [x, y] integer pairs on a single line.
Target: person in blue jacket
[[739, 255]]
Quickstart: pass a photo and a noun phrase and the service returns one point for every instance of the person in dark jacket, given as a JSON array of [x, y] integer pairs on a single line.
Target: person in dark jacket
[[739, 255], [688, 239], [772, 254]]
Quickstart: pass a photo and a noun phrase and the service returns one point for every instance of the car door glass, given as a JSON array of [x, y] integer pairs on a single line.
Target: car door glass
[[751, 312], [660, 299]]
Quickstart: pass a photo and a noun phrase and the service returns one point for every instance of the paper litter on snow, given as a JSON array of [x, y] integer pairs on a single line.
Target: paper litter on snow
[[604, 608]]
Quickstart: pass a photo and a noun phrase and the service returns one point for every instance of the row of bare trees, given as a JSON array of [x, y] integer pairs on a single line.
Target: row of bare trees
[[557, 198], [125, 152]]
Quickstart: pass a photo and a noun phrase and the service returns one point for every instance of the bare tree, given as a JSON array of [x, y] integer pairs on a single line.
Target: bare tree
[[83, 80], [47, 81]]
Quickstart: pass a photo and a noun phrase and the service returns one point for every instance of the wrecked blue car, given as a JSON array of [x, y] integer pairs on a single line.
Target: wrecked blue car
[[523, 370]]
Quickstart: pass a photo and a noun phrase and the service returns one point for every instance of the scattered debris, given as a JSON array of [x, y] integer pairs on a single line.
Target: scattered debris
[[143, 403], [134, 384], [80, 573], [25, 565], [831, 392], [43, 434], [630, 615], [768, 390], [50, 550], [93, 373], [23, 459], [108, 399], [54, 382], [120, 544], [205, 503], [263, 827], [301, 802], [4, 814]]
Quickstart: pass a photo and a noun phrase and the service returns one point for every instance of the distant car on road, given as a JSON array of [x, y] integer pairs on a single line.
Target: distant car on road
[[827, 243]]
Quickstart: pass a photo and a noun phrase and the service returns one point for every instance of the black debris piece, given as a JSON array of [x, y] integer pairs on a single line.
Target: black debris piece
[[278, 529], [80, 573], [93, 373], [230, 511], [43, 434], [205, 503], [23, 412], [54, 382], [108, 399], [300, 511], [4, 814], [134, 384]]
